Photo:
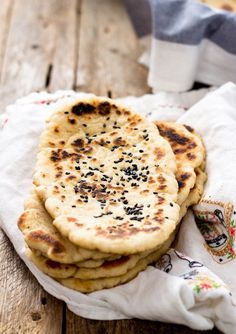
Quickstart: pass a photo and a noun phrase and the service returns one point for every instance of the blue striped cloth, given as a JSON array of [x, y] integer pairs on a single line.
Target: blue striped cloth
[[190, 42]]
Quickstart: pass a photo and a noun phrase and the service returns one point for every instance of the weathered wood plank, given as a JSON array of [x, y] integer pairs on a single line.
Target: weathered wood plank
[[40, 50], [24, 306], [5, 18], [134, 326], [33, 45], [108, 51]]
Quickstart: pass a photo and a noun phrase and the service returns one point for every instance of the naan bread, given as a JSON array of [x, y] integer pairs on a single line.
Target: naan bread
[[39, 234], [109, 180], [112, 268], [51, 268], [61, 271], [189, 153], [91, 285], [45, 238], [195, 193]]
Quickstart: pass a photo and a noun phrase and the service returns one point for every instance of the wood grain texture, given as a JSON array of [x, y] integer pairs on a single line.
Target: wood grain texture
[[79, 325], [24, 306], [108, 51], [5, 19], [40, 50]]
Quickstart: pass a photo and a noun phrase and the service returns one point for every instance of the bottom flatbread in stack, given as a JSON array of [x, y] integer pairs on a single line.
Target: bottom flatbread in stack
[[90, 270]]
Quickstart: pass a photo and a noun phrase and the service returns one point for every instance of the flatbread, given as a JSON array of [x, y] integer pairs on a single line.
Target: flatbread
[[51, 268], [39, 234], [91, 285], [129, 211], [45, 238], [111, 268], [189, 153], [195, 193], [61, 271]]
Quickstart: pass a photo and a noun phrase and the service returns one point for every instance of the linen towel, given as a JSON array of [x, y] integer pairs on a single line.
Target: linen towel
[[193, 284]]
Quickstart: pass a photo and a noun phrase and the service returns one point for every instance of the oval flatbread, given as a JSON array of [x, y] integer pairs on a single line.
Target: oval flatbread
[[108, 181]]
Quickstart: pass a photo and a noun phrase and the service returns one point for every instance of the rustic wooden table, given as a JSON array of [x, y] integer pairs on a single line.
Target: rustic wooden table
[[85, 45]]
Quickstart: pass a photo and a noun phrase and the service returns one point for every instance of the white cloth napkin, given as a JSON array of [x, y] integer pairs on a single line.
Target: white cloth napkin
[[190, 285]]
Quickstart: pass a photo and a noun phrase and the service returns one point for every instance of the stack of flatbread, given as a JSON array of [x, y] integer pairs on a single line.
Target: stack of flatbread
[[109, 190]]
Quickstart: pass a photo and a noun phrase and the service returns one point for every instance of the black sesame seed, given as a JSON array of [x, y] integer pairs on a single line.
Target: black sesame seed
[[67, 173], [118, 161], [118, 218], [141, 151], [76, 189], [77, 167], [85, 125], [171, 204]]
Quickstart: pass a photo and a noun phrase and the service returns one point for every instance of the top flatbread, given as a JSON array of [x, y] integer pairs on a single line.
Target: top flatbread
[[189, 153], [107, 178]]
